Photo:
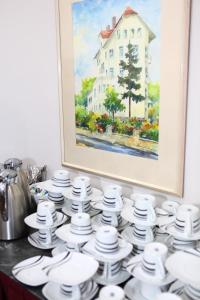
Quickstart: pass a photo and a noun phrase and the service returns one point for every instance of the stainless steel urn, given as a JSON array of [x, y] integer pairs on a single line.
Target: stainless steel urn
[[22, 179], [13, 207]]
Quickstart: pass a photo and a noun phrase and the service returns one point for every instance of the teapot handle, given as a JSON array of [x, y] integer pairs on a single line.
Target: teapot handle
[[4, 202]]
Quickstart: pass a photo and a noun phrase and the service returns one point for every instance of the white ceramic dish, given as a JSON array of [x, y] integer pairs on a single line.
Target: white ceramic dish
[[134, 267], [49, 187], [31, 221], [127, 234], [65, 234], [35, 242], [173, 231], [185, 267], [123, 251], [96, 223], [52, 291], [132, 290], [128, 214], [97, 203], [65, 268], [29, 271], [95, 192], [66, 209], [119, 278]]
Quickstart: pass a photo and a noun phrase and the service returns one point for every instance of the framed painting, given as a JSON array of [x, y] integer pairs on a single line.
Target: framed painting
[[123, 86]]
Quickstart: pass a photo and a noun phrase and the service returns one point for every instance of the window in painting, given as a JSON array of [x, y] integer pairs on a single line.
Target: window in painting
[[111, 72], [139, 32], [118, 34], [125, 33], [121, 52], [102, 67], [121, 72], [135, 51], [111, 53]]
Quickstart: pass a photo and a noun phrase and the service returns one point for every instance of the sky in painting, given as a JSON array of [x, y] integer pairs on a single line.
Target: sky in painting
[[92, 16]]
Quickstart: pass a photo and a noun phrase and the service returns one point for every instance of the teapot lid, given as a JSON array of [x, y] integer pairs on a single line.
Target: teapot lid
[[12, 163], [8, 174]]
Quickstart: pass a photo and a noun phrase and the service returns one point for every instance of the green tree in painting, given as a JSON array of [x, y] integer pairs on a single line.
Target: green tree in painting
[[112, 102], [131, 77], [81, 99], [154, 91], [154, 96]]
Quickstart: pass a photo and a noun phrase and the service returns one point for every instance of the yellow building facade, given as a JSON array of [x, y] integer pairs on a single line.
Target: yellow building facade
[[130, 28]]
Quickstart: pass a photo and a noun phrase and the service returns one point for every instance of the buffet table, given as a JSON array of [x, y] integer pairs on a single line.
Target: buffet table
[[11, 253]]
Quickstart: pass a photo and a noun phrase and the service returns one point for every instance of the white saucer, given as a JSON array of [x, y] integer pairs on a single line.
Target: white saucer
[[52, 291], [132, 290], [29, 271], [181, 245], [127, 214], [65, 234], [35, 242], [66, 209], [127, 234], [125, 249], [134, 267], [120, 278], [96, 223], [177, 288], [185, 267], [68, 195], [71, 268], [49, 187], [62, 248], [173, 231], [97, 203], [31, 221]]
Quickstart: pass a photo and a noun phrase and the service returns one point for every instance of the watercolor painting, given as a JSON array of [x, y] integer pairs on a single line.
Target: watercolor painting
[[117, 75]]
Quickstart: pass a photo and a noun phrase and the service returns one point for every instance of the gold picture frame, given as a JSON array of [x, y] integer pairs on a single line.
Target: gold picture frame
[[167, 172]]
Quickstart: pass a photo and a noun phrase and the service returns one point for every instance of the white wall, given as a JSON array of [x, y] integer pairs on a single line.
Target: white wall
[[29, 105]]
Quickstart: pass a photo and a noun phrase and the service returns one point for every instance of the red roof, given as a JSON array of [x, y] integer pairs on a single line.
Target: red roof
[[105, 34], [129, 11]]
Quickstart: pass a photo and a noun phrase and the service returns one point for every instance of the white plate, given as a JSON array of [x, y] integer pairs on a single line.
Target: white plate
[[132, 290], [66, 209], [31, 221], [96, 223], [134, 267], [185, 267], [124, 250], [68, 195], [120, 278], [71, 268], [49, 187], [173, 231], [65, 234], [127, 214], [35, 242], [127, 234], [177, 288], [29, 271], [62, 248], [52, 291], [97, 203]]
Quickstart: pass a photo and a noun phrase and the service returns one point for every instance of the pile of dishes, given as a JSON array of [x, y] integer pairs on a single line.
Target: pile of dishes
[[101, 238], [45, 221]]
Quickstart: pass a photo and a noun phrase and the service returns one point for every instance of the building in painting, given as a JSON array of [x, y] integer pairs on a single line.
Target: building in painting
[[130, 28]]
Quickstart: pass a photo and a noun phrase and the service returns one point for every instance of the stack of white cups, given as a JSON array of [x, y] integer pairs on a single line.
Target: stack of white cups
[[142, 216]]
